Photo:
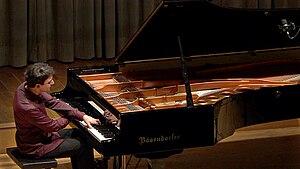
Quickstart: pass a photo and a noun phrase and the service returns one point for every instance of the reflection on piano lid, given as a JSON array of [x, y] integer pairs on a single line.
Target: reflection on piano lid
[[207, 30], [147, 93], [96, 107]]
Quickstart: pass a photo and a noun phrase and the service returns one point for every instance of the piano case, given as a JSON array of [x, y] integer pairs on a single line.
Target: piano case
[[171, 86]]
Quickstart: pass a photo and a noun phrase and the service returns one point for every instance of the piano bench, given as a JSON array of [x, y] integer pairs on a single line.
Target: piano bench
[[30, 163]]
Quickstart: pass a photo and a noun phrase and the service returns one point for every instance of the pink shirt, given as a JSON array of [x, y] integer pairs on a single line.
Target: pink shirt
[[36, 132]]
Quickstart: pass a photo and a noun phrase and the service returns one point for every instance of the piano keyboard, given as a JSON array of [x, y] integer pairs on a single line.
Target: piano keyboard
[[100, 133]]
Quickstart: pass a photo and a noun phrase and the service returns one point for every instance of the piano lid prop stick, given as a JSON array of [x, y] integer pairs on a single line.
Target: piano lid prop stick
[[189, 98]]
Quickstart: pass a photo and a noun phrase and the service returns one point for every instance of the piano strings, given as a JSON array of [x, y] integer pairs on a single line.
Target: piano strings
[[129, 96]]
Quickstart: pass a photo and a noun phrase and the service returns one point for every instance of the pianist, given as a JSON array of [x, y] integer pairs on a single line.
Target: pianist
[[37, 134]]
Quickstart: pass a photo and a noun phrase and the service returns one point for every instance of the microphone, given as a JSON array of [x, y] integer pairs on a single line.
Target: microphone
[[287, 27], [284, 22]]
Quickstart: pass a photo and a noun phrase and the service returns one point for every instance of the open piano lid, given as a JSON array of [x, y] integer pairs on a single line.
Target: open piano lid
[[206, 29]]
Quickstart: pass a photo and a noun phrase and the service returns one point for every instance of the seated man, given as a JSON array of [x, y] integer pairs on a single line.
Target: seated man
[[37, 134]]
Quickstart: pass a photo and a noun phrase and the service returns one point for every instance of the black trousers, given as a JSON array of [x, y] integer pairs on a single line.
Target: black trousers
[[75, 145]]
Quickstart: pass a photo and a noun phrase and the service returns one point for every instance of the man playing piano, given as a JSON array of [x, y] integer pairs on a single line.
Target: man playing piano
[[37, 134]]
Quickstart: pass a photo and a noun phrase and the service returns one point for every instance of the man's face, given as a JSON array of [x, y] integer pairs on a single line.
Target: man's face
[[46, 87]]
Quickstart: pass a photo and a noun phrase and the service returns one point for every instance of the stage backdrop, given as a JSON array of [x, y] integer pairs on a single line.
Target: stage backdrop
[[41, 30]]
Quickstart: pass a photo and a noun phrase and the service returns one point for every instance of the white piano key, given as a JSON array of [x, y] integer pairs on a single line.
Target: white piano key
[[95, 133]]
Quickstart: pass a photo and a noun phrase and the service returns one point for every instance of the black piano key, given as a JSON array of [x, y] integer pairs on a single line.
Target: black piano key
[[104, 131]]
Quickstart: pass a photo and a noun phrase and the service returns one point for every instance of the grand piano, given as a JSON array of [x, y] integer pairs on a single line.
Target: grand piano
[[191, 75]]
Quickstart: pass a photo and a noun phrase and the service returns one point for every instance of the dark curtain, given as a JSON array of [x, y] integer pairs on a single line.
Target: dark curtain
[[40, 30]]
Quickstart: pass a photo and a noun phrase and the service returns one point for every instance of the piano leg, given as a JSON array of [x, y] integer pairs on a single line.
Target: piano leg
[[119, 162], [101, 164]]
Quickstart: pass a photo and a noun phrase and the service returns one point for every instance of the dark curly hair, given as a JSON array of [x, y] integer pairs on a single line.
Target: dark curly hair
[[37, 73]]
